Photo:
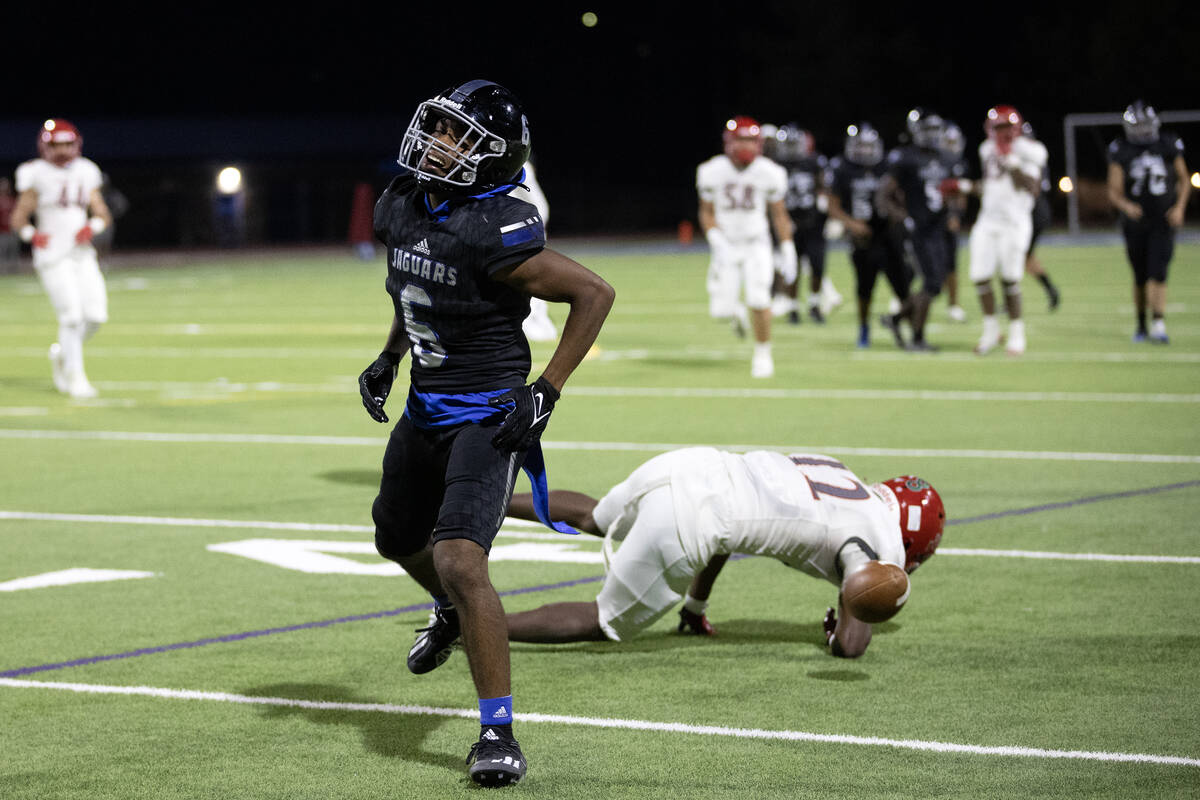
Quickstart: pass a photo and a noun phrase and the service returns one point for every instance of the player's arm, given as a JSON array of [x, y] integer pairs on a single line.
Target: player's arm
[[1116, 193], [781, 223], [707, 215], [1183, 183], [858, 229], [1023, 180], [573, 508], [22, 213], [99, 217], [889, 199], [846, 635], [692, 617], [555, 278], [375, 382]]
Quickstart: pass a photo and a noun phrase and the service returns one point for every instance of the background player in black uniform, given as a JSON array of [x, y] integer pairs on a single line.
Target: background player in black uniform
[[1041, 221], [909, 196], [463, 259], [953, 146], [1148, 185], [855, 177], [806, 200]]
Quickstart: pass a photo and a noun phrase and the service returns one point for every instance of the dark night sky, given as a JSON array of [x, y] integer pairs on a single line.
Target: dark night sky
[[633, 103]]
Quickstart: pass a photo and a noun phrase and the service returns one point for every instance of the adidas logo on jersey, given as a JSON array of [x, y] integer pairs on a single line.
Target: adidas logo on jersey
[[422, 247]]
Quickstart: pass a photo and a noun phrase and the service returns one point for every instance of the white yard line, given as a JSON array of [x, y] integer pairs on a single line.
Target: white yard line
[[647, 447], [614, 723]]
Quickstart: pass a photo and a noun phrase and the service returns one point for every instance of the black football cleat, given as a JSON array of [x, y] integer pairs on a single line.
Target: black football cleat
[[435, 643], [495, 760], [892, 324]]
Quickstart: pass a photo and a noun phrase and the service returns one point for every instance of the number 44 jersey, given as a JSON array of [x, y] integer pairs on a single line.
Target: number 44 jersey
[[464, 327]]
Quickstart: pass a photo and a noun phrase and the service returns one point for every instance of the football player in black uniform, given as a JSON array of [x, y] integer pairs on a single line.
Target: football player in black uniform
[[807, 204], [953, 146], [1148, 185], [463, 259], [855, 177], [909, 196], [1041, 221]]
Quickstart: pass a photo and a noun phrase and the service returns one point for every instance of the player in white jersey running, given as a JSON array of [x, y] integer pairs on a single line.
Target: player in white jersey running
[[681, 515], [742, 195], [61, 190], [1011, 165]]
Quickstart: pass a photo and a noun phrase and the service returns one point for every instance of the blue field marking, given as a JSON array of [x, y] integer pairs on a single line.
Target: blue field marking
[[237, 637]]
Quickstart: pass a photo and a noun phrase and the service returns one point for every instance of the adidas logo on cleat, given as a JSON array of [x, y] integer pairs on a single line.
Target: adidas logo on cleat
[[490, 735]]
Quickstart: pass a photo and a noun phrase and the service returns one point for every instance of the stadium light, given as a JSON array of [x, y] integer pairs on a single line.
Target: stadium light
[[229, 180], [1065, 185], [589, 19], [1196, 179]]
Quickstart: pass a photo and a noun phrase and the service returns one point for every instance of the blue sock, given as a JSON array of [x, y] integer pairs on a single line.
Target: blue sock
[[442, 601], [496, 712]]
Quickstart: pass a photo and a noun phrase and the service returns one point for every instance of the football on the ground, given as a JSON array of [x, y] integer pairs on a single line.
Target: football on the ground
[[875, 591]]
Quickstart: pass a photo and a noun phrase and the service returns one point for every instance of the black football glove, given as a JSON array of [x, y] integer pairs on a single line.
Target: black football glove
[[698, 624], [525, 421], [375, 384], [830, 625]]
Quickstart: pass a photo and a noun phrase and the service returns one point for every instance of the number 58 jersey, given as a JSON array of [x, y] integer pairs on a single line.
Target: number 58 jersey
[[740, 196], [464, 327]]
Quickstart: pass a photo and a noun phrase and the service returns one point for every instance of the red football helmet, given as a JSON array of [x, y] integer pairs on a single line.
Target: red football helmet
[[1003, 125], [743, 140], [59, 132], [922, 518]]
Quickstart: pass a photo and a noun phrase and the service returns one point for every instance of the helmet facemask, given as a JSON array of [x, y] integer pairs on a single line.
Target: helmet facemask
[[446, 148], [863, 145], [1141, 124]]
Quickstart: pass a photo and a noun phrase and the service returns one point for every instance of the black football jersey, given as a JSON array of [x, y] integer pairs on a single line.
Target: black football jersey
[[464, 326], [1149, 172], [806, 178], [919, 173], [855, 185]]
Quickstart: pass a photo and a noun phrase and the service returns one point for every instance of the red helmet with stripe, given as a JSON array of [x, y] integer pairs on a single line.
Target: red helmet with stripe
[[922, 518], [1003, 125], [59, 132], [743, 139]]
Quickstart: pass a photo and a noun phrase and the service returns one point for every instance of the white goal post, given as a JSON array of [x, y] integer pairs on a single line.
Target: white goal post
[[1073, 121]]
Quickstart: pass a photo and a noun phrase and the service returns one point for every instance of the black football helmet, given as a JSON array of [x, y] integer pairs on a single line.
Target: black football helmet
[[953, 144], [1141, 123], [925, 128], [863, 145], [466, 140], [792, 143]]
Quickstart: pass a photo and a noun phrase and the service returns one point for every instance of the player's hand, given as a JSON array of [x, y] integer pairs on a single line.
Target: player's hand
[[718, 243], [528, 416], [1133, 211], [788, 261], [84, 235], [698, 624], [40, 240], [375, 384], [830, 625], [1175, 216]]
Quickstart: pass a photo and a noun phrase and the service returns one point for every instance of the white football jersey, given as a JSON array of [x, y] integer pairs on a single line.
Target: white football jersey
[[1001, 199], [740, 196], [64, 194], [801, 509]]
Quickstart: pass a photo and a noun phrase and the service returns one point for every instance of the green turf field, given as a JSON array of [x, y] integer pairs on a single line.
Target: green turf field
[[228, 452]]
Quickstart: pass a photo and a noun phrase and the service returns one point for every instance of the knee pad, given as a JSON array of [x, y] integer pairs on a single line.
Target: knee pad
[[1012, 289], [90, 326]]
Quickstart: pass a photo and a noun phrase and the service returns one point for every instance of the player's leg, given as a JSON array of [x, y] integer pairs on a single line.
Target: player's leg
[[954, 310], [479, 480], [1014, 242], [66, 355], [1159, 251], [866, 269], [1135, 251], [757, 275], [723, 283], [983, 254], [814, 250], [93, 297], [930, 249]]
